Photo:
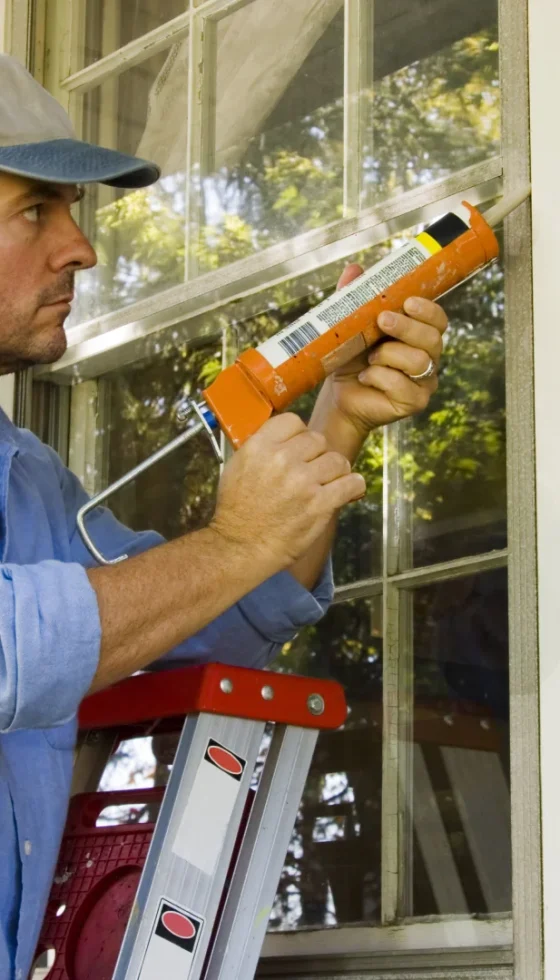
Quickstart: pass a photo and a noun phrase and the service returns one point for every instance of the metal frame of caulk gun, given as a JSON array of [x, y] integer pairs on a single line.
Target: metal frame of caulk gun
[[206, 421]]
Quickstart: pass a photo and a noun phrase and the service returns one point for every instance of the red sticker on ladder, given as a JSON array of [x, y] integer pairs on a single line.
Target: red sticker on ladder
[[179, 925], [224, 759], [173, 943]]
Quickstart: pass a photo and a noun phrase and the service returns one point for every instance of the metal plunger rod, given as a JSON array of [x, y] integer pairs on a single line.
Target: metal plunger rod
[[124, 480], [203, 425]]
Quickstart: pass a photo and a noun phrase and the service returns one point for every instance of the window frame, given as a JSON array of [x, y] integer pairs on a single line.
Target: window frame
[[100, 342]]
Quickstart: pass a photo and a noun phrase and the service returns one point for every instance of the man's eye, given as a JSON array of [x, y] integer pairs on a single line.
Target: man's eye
[[33, 213]]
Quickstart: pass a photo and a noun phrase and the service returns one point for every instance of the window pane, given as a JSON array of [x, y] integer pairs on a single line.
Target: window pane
[[332, 872], [276, 166], [435, 105], [461, 804], [455, 457], [139, 235], [110, 24]]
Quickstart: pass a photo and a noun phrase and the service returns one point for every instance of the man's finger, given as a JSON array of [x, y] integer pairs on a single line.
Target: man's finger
[[307, 445], [410, 360], [351, 272], [328, 467], [412, 332], [280, 428], [343, 491], [427, 312], [407, 396]]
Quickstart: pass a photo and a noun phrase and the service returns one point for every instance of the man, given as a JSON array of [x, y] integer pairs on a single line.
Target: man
[[233, 591]]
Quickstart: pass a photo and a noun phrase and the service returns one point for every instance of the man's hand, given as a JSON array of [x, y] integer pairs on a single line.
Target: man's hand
[[376, 388], [280, 491], [278, 495]]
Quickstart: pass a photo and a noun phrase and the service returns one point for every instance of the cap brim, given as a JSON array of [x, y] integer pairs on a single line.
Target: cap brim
[[67, 161]]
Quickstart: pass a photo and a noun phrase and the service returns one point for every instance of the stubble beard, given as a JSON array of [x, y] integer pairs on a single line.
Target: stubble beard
[[43, 346], [22, 343]]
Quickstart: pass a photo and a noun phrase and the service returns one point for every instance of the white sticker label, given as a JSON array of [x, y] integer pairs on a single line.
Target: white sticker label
[[291, 340], [172, 944], [206, 817]]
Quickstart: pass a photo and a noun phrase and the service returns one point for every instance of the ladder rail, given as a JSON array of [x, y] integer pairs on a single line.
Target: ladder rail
[[184, 868], [242, 928]]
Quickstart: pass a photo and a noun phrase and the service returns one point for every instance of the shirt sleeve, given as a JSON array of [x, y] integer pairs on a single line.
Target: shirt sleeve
[[249, 634], [49, 642]]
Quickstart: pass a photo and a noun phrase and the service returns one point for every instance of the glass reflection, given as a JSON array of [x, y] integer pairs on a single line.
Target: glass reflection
[[332, 872], [461, 804]]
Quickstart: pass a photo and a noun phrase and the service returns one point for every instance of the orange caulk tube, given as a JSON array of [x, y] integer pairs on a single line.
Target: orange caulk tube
[[269, 378]]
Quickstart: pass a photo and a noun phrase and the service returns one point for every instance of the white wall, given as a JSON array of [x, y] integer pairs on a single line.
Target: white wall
[[544, 27], [7, 384]]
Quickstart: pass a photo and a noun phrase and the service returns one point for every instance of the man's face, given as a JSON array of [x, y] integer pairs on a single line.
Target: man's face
[[41, 248]]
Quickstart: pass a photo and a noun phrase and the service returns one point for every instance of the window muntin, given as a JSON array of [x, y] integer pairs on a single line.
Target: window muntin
[[110, 24]]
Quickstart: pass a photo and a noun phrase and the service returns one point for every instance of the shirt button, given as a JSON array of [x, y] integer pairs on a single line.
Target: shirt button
[[27, 847]]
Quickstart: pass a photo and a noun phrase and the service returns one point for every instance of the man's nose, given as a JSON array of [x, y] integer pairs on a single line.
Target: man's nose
[[71, 249]]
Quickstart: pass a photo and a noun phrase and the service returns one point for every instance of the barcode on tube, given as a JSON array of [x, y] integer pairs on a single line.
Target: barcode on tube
[[298, 338]]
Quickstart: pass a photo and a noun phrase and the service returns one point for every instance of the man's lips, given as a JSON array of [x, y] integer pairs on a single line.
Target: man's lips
[[66, 300]]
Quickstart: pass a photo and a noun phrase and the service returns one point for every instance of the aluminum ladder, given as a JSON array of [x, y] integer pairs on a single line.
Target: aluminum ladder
[[210, 876]]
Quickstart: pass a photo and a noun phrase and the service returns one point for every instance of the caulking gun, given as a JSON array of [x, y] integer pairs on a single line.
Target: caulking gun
[[268, 378]]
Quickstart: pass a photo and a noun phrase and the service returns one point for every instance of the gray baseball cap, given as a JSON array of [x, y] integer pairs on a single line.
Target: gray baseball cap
[[37, 139]]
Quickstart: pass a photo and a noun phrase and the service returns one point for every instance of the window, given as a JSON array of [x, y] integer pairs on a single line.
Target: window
[[291, 137]]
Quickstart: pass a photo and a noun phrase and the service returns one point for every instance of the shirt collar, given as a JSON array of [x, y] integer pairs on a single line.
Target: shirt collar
[[8, 433]]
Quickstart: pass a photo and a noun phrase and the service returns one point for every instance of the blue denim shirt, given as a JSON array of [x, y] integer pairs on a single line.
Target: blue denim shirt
[[49, 648]]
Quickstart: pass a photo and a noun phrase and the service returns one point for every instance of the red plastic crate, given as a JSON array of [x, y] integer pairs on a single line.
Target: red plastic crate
[[95, 883]]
